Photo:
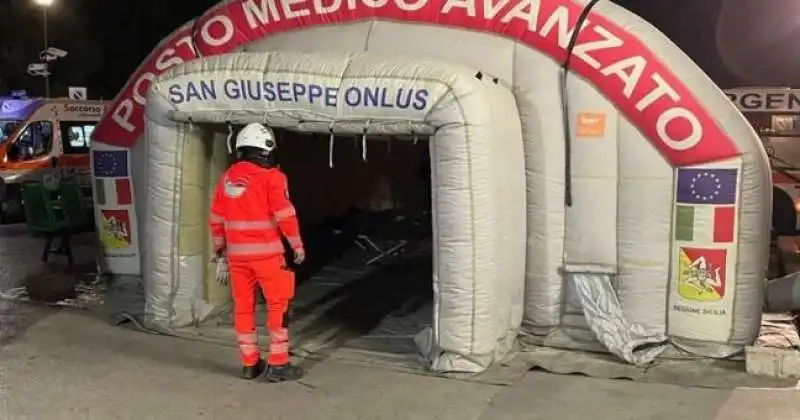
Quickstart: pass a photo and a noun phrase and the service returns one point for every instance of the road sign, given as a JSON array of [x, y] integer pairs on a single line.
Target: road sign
[[78, 93]]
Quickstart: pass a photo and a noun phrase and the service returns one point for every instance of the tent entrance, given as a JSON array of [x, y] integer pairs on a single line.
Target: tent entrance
[[366, 222], [477, 175]]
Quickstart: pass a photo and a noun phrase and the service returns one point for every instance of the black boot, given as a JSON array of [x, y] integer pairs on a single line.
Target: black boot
[[283, 373], [253, 372]]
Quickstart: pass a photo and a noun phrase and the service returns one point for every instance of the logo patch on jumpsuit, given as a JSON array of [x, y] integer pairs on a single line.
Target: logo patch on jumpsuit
[[234, 189]]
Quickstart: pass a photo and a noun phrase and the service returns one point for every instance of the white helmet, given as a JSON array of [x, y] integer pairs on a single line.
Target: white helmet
[[257, 136]]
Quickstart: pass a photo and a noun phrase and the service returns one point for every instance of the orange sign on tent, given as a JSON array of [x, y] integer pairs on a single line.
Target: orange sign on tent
[[591, 124]]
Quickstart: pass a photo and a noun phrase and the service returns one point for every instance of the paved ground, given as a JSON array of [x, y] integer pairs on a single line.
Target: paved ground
[[21, 253], [68, 365]]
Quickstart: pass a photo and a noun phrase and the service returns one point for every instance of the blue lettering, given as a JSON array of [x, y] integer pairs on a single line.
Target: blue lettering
[[253, 89], [404, 98], [231, 89], [296, 92], [314, 92], [299, 90], [269, 92], [176, 94], [371, 96], [192, 92], [352, 96], [420, 99], [385, 103], [208, 90], [284, 92], [331, 95]]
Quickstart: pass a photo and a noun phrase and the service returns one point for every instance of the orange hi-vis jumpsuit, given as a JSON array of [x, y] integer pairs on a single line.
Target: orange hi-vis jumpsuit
[[251, 208]]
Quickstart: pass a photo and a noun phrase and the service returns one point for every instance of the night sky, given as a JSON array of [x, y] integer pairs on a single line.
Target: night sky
[[123, 32]]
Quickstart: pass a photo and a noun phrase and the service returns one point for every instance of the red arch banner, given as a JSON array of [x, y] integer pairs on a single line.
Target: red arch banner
[[619, 64]]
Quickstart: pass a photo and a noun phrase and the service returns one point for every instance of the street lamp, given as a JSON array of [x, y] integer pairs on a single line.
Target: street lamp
[[45, 5]]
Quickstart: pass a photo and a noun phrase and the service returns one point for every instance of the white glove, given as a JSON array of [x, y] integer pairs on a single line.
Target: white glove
[[299, 256], [223, 271]]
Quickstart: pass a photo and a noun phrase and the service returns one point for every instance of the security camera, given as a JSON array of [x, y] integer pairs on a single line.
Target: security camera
[[38, 69], [51, 54]]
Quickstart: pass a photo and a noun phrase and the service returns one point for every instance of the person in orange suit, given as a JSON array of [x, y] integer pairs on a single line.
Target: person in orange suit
[[249, 212]]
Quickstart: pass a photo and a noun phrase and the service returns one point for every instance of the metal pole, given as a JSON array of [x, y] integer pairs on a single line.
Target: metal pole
[[46, 46]]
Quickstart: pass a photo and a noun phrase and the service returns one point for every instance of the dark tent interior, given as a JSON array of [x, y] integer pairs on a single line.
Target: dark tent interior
[[365, 218]]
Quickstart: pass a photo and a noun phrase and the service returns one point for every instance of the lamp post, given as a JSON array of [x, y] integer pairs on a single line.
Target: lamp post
[[45, 5]]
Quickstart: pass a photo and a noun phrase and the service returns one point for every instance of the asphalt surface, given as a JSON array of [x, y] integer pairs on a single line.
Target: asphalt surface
[[21, 254], [70, 365]]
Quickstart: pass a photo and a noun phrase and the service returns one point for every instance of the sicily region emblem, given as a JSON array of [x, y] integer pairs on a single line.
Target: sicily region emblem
[[115, 229], [702, 274]]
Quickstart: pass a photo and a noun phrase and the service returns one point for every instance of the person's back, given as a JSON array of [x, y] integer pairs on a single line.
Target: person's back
[[784, 232], [253, 232], [249, 213], [784, 213]]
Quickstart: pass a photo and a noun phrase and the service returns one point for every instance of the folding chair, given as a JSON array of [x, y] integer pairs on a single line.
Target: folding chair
[[76, 213], [390, 251], [42, 219], [385, 235]]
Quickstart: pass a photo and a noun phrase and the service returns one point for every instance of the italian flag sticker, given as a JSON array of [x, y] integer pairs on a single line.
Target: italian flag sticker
[[710, 224]]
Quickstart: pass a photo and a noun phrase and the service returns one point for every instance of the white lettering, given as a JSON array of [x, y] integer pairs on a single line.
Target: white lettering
[[490, 9], [582, 49], [629, 70], [467, 5], [411, 6], [122, 115], [259, 15], [560, 19], [291, 13], [525, 10], [227, 35], [375, 3], [166, 59], [321, 9], [694, 137], [662, 89], [143, 81], [187, 42], [558, 27]]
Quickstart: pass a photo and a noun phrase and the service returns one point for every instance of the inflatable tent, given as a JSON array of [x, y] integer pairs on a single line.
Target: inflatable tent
[[592, 188]]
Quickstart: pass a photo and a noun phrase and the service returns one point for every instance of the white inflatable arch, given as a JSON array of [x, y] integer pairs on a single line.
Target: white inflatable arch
[[619, 205]]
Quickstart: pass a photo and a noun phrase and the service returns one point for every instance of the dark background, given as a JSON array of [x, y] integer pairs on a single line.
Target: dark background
[[107, 39]]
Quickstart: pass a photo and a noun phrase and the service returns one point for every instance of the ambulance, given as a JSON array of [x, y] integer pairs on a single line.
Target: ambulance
[[43, 139], [775, 115]]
